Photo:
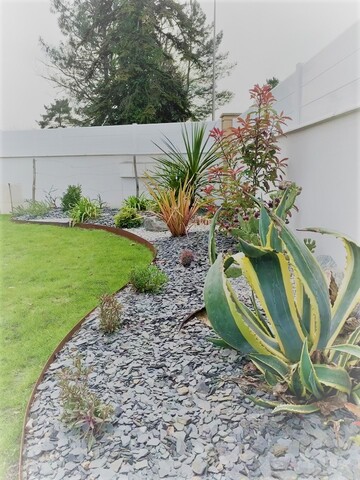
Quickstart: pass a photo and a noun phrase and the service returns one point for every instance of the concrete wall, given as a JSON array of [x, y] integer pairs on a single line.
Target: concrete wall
[[101, 159]]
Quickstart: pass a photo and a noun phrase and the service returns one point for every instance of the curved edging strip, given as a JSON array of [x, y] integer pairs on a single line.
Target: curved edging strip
[[116, 231]]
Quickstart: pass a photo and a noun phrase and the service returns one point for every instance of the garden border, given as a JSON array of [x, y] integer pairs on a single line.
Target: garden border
[[89, 226]]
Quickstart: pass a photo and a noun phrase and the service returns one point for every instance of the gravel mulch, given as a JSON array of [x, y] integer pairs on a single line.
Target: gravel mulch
[[179, 410]]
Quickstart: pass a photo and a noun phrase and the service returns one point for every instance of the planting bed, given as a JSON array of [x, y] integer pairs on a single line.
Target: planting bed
[[180, 405]]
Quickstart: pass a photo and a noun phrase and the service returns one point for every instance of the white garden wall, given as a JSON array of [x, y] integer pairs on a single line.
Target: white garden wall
[[100, 159], [323, 139]]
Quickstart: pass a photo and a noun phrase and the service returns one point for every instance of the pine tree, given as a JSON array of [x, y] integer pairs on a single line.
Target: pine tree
[[142, 61], [58, 115]]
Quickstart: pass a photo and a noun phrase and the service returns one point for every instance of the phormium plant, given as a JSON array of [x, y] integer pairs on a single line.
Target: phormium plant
[[296, 343], [110, 314], [82, 408], [71, 197], [250, 164], [148, 279]]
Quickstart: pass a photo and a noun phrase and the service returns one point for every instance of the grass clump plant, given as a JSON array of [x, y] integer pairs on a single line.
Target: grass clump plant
[[82, 408], [85, 209], [139, 203], [34, 208], [110, 314], [148, 279], [128, 217], [71, 197]]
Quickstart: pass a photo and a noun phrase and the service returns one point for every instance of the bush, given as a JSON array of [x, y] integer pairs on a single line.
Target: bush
[[110, 314], [127, 218], [84, 210], [71, 197], [148, 279], [177, 207], [32, 207], [82, 409], [140, 203]]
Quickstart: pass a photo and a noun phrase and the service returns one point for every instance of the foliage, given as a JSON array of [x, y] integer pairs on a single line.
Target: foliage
[[135, 61], [71, 197], [273, 82], [50, 198], [140, 203], [295, 344], [128, 217], [177, 206], [174, 167], [311, 244], [186, 257], [82, 409], [73, 268], [148, 279], [58, 115], [33, 208], [84, 209], [250, 164], [110, 314]]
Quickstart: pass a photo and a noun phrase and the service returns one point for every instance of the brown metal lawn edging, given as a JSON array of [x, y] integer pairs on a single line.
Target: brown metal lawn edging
[[114, 230]]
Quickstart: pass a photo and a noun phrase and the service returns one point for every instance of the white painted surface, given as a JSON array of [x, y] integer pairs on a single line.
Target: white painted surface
[[100, 159]]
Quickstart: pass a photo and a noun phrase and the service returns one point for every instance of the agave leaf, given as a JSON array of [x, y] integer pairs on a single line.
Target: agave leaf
[[264, 226], [212, 241], [341, 359], [355, 394], [219, 342], [295, 384], [272, 364], [302, 409], [313, 280], [349, 293], [352, 350], [334, 377], [263, 403], [269, 277], [308, 375], [270, 378], [231, 319]]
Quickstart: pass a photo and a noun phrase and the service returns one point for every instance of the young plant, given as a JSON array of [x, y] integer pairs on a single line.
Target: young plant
[[82, 409], [295, 343], [176, 167], [110, 314], [250, 164], [140, 203], [83, 210], [71, 197], [128, 217], [177, 208], [33, 208], [186, 257], [148, 279]]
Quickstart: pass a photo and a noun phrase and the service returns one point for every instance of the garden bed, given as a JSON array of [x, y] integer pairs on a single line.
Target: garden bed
[[180, 404]]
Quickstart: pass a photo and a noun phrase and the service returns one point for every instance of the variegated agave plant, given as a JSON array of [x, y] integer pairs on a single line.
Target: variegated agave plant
[[296, 342]]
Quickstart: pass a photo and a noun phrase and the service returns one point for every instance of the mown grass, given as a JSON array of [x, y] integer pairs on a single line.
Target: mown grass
[[50, 278]]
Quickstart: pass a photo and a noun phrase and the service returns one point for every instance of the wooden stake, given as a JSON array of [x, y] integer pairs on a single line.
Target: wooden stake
[[34, 180], [11, 200]]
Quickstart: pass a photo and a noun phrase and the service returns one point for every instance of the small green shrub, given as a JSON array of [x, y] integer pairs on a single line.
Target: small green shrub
[[82, 409], [32, 207], [140, 203], [186, 257], [110, 314], [148, 279], [127, 218], [84, 210], [71, 197]]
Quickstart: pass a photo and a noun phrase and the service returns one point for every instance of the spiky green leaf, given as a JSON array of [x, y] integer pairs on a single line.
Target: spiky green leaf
[[302, 409], [308, 375], [334, 377]]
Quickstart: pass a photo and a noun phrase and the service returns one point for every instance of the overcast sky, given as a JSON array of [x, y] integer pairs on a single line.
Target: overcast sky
[[266, 38]]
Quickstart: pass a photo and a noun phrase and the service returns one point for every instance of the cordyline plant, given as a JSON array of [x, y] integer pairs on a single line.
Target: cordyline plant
[[176, 167], [177, 207], [250, 161], [294, 340]]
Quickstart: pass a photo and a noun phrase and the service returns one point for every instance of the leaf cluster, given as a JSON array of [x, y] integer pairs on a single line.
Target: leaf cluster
[[34, 208], [83, 210], [148, 279], [110, 314], [82, 409], [128, 217], [71, 197]]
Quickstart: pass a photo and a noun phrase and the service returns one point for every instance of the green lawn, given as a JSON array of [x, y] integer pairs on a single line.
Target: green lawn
[[50, 278]]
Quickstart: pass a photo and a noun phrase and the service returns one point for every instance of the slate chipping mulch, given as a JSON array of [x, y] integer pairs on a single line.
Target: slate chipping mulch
[[178, 414]]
